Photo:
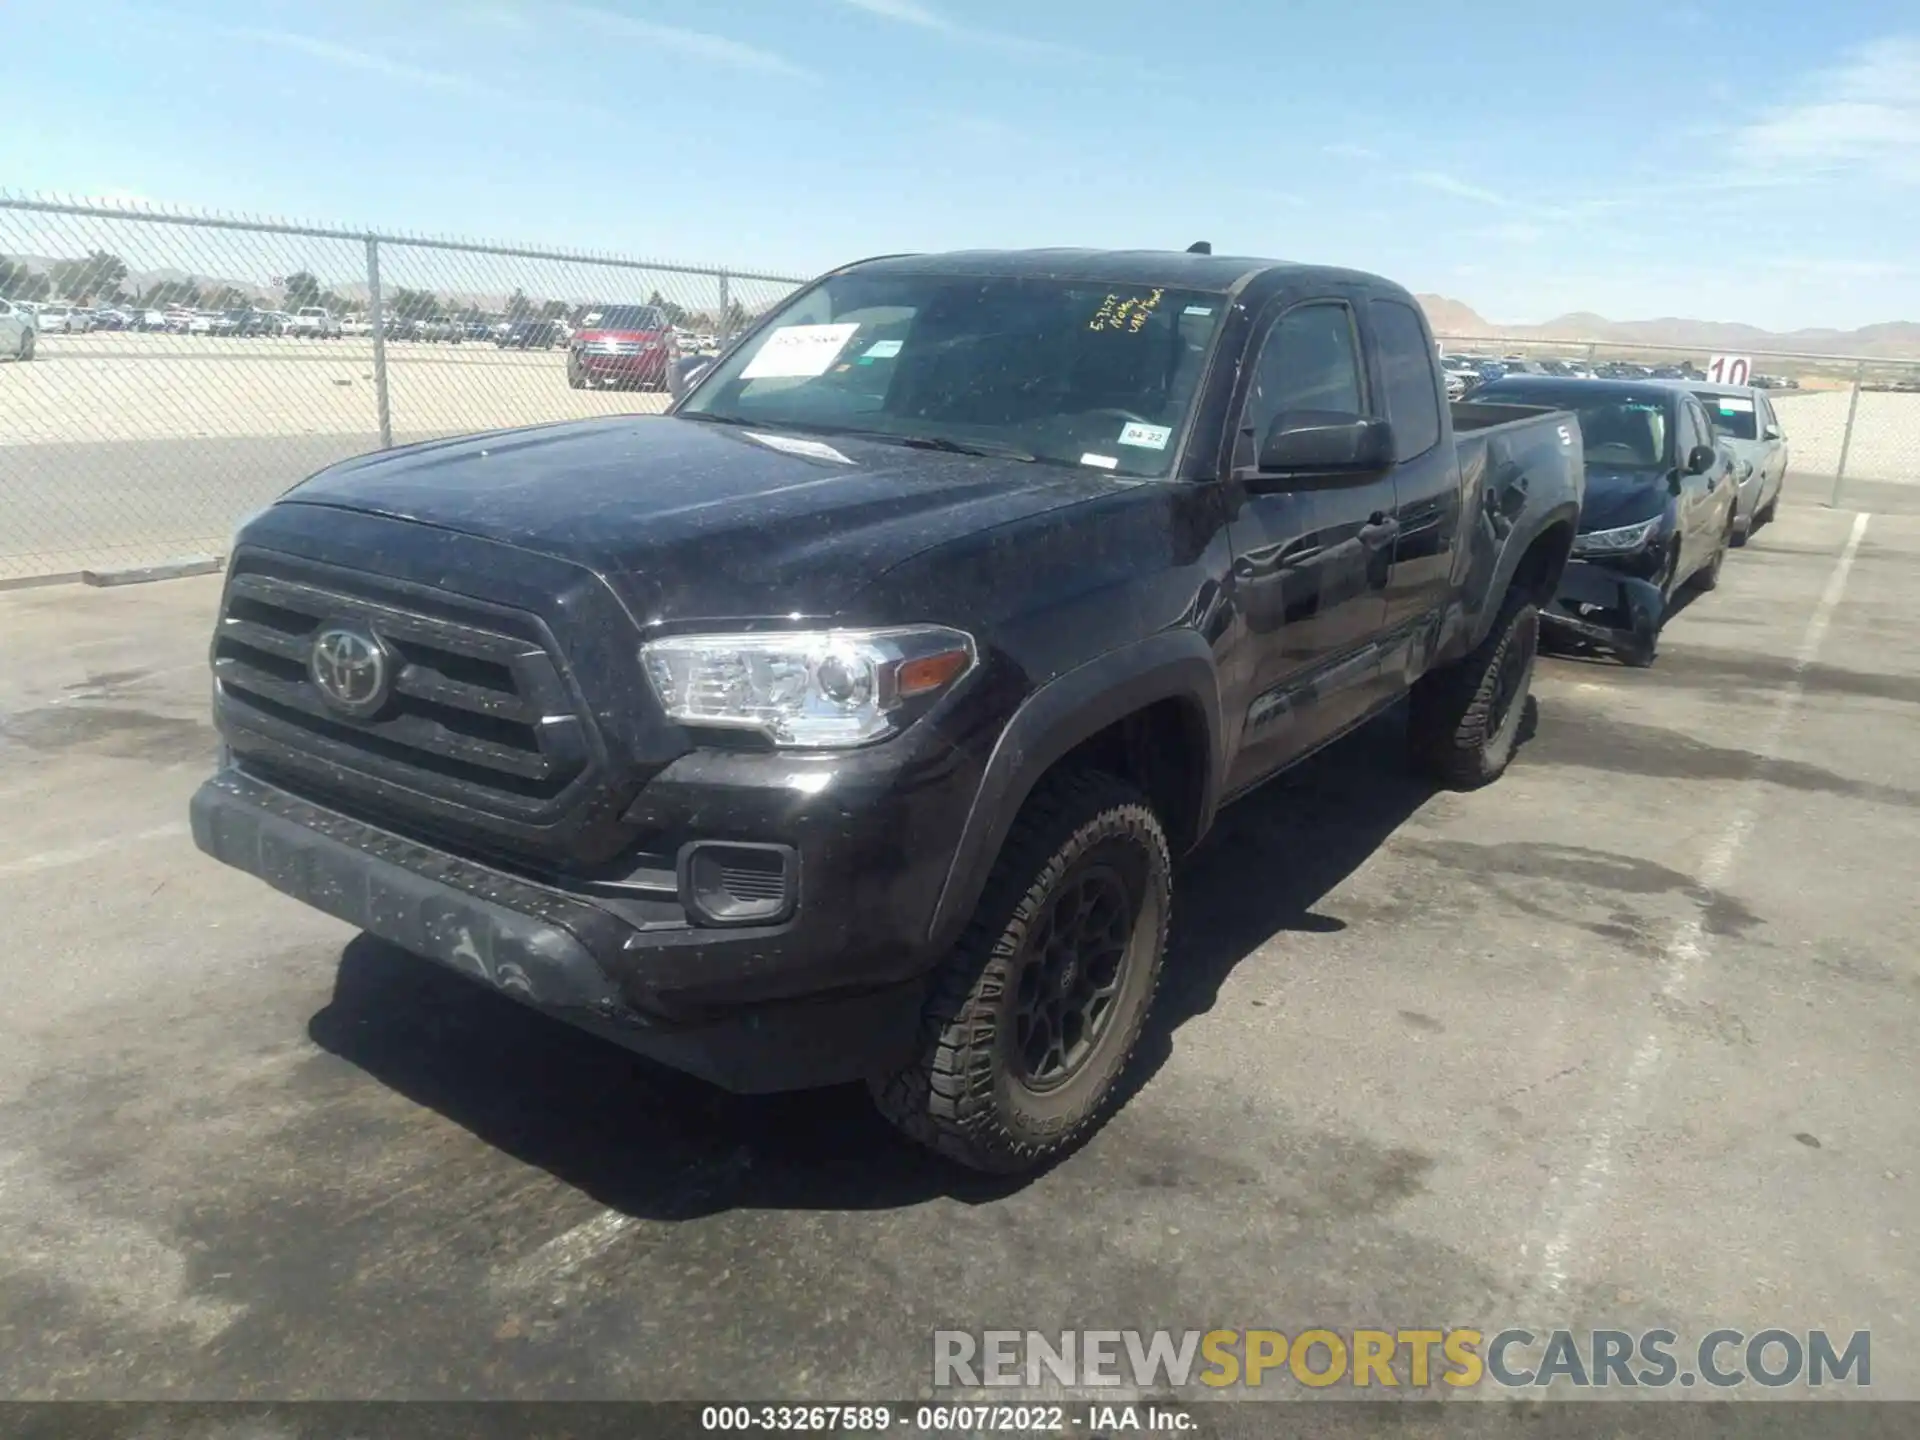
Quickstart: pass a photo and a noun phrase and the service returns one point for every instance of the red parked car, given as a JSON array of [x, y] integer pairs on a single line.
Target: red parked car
[[621, 345]]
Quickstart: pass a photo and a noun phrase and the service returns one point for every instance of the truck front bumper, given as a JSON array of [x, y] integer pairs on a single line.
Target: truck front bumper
[[560, 952]]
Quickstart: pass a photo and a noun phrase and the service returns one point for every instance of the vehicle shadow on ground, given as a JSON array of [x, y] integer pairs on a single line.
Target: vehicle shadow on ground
[[651, 1143]]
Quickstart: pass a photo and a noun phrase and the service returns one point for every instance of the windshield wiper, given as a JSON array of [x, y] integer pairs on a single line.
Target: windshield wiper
[[713, 419], [959, 447], [891, 437]]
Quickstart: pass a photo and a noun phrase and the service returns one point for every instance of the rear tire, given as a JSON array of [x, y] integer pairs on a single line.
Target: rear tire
[[26, 344], [1464, 721], [1033, 1017]]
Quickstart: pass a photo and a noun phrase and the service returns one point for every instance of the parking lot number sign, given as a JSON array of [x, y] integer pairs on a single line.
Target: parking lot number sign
[[1730, 370]]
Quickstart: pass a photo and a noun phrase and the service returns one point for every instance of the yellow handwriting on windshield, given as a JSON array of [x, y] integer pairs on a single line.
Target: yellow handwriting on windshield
[[1129, 315]]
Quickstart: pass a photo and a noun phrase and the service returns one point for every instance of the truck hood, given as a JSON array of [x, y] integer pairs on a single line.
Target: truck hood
[[1622, 497], [688, 519]]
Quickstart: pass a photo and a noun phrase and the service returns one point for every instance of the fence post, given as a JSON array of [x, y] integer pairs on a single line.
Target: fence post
[[376, 316], [1593, 348], [1846, 436], [726, 328]]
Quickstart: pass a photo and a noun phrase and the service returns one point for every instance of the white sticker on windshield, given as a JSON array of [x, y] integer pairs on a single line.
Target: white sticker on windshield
[[1731, 406], [1147, 437], [807, 449], [1105, 462], [796, 352], [1198, 310], [883, 350]]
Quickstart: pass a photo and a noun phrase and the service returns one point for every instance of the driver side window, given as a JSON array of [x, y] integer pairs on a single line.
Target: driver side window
[[1309, 364]]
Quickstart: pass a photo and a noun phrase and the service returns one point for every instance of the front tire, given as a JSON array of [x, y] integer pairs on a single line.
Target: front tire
[[1464, 721], [576, 377], [1034, 1015], [26, 344]]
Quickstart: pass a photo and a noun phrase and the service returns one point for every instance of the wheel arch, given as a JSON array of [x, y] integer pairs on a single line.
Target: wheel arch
[[1148, 712]]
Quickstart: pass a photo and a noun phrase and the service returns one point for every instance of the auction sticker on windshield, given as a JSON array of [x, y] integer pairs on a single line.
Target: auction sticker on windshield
[[1147, 437], [797, 352], [1730, 405]]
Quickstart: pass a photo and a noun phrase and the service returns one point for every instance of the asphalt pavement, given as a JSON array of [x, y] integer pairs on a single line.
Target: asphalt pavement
[[1625, 1040]]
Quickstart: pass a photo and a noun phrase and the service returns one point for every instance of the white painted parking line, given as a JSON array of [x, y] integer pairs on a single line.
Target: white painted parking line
[[53, 859], [564, 1254], [1572, 1209]]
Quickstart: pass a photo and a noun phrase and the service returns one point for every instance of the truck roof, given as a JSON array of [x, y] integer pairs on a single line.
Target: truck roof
[[1174, 269]]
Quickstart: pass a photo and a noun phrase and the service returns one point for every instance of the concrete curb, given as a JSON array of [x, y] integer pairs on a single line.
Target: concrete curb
[[165, 570]]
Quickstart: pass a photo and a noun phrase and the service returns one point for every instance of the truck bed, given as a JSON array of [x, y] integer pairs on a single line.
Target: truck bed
[[1471, 417]]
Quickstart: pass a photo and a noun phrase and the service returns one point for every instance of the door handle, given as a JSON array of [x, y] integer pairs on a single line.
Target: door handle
[[1379, 529]]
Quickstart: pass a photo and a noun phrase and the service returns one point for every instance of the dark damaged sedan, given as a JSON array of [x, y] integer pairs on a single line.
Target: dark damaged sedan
[[1658, 513]]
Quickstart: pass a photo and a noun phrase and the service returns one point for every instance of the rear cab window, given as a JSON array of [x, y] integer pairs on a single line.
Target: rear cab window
[[1406, 372]]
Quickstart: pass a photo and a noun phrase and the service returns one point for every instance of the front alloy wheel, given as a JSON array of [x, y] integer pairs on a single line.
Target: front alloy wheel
[[1070, 975]]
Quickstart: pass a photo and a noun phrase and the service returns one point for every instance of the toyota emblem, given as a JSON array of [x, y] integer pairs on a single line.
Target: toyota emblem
[[350, 670]]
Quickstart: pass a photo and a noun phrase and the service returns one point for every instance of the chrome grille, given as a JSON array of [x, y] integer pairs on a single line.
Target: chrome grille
[[473, 707]]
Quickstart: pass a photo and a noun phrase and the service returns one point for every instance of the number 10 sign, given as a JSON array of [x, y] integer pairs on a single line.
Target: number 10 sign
[[1730, 370]]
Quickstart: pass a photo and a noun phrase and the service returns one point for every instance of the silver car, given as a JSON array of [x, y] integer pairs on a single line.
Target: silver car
[[1745, 424], [18, 331]]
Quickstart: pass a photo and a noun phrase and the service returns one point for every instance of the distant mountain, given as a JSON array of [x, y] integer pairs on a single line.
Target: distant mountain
[[1895, 340]]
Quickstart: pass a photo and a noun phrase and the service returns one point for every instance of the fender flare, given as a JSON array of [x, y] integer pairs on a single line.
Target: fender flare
[[1061, 714], [1512, 552]]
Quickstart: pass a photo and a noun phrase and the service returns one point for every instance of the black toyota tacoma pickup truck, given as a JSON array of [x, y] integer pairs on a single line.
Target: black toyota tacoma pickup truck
[[844, 723]]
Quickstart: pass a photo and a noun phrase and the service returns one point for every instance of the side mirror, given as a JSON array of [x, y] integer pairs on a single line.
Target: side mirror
[[1311, 443], [1772, 432], [1701, 459], [685, 373]]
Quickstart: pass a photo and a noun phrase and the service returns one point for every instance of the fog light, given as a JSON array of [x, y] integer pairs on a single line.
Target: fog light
[[735, 883]]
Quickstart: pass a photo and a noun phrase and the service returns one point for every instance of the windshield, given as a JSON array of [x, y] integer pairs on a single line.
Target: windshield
[[625, 317], [1732, 415], [1622, 430], [1069, 372]]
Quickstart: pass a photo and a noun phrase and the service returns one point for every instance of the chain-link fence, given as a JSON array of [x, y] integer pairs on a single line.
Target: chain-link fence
[[171, 372], [176, 370], [1852, 422]]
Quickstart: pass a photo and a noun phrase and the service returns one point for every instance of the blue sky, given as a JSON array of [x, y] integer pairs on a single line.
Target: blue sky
[[1754, 161]]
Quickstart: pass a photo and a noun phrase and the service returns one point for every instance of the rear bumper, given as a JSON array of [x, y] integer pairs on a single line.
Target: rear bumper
[[555, 951]]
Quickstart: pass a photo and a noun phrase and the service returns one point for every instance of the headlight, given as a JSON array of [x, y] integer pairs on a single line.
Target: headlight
[[1617, 541], [818, 688]]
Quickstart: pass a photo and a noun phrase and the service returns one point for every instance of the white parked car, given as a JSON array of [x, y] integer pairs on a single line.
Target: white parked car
[[355, 325], [55, 320], [317, 321], [17, 331]]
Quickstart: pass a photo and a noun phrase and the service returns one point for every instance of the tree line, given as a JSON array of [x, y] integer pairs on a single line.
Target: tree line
[[99, 278]]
